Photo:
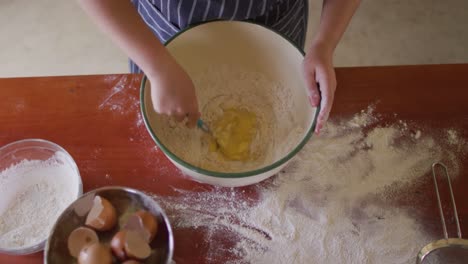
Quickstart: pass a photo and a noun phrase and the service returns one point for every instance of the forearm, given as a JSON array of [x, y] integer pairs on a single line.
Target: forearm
[[336, 15], [120, 20]]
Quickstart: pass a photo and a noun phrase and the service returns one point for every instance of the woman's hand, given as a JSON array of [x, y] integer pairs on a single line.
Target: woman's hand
[[173, 93], [320, 77]]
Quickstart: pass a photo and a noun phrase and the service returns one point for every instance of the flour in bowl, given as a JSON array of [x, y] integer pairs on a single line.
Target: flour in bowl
[[33, 195], [221, 89]]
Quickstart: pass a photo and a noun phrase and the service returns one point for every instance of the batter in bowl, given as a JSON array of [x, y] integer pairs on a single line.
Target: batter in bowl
[[233, 133], [250, 118]]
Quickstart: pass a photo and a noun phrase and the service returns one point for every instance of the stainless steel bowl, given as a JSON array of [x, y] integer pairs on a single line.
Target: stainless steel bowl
[[126, 201]]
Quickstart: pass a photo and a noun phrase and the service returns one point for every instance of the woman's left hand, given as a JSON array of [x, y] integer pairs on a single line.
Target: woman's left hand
[[320, 77]]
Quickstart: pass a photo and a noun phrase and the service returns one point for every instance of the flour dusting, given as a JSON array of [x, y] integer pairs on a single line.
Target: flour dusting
[[123, 101], [330, 205], [452, 137], [123, 96], [115, 90]]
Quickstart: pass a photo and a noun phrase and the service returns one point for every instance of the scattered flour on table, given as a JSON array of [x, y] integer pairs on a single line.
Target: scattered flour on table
[[34, 193], [457, 143], [123, 100], [116, 89], [123, 97], [328, 206], [452, 137], [417, 134], [226, 87], [364, 118], [455, 139]]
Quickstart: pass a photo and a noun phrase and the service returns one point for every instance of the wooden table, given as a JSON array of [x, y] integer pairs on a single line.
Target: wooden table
[[97, 119]]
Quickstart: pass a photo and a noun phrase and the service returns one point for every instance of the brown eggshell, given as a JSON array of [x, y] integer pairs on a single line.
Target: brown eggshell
[[79, 238], [136, 246], [149, 222], [102, 215], [118, 244], [143, 222], [135, 223], [96, 253], [131, 261]]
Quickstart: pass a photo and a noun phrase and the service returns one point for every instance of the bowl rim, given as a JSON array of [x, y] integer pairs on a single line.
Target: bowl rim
[[125, 189], [216, 174], [41, 245]]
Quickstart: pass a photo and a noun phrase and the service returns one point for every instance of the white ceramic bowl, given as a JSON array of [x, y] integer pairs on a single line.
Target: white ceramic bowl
[[34, 149], [250, 47]]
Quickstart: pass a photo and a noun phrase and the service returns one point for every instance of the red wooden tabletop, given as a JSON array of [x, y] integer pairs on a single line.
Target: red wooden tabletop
[[97, 120]]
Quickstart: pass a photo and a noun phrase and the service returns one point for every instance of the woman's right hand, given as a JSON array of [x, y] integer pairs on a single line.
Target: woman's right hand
[[173, 92]]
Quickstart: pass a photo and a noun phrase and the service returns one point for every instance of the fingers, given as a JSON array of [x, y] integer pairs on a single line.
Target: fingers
[[321, 82], [192, 119], [190, 116], [313, 91], [327, 88], [173, 94], [179, 117]]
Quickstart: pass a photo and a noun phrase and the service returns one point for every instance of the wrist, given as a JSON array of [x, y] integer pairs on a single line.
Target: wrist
[[162, 67], [159, 61], [322, 46]]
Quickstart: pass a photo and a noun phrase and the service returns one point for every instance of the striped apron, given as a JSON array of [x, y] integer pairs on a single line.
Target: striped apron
[[167, 17]]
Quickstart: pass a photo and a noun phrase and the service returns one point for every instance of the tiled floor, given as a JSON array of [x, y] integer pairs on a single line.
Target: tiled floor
[[54, 37]]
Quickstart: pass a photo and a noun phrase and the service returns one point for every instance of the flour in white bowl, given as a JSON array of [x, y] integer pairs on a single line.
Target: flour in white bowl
[[278, 129], [33, 195]]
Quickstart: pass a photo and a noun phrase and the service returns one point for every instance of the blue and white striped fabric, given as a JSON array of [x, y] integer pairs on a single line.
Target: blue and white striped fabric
[[167, 17]]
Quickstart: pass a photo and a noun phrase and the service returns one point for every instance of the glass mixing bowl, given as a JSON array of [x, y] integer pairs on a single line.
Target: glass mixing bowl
[[32, 149]]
